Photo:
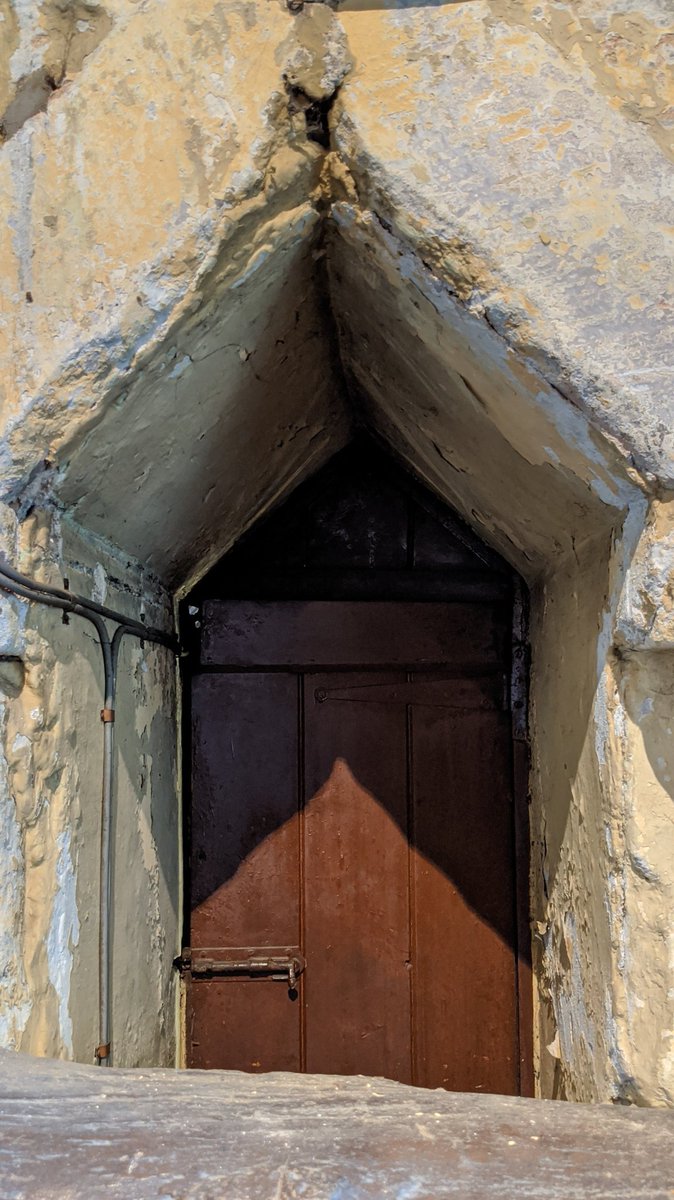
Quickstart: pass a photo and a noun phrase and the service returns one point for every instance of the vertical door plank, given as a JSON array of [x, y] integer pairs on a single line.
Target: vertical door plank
[[244, 838], [243, 1025], [244, 864], [356, 865], [465, 966]]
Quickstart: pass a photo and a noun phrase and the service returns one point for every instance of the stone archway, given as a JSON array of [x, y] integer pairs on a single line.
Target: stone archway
[[193, 334]]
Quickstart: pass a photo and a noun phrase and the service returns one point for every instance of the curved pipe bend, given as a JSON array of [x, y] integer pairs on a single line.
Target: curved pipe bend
[[71, 602]]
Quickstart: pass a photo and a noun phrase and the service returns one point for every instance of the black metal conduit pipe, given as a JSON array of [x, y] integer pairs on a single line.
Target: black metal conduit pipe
[[68, 602]]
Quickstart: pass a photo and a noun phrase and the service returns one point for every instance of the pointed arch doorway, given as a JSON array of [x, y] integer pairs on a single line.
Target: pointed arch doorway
[[356, 839]]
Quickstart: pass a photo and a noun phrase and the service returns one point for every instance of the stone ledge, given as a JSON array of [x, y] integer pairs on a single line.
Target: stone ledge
[[68, 1131]]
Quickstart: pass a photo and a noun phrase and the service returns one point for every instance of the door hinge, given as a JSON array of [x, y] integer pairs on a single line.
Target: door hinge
[[459, 692]]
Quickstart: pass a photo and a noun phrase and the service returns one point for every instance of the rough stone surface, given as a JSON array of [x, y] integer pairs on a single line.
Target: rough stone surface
[[529, 193], [197, 297], [51, 813], [42, 48], [69, 1131], [318, 55]]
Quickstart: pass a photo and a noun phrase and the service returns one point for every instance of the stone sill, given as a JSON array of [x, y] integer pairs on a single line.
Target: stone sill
[[69, 1131]]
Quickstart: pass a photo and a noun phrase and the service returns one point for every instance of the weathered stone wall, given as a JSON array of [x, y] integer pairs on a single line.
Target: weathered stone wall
[[212, 262], [51, 806]]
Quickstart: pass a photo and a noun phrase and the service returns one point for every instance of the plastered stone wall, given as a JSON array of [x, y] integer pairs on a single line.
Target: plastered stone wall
[[51, 801], [447, 221]]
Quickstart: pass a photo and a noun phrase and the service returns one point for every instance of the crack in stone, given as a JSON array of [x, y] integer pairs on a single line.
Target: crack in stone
[[316, 112]]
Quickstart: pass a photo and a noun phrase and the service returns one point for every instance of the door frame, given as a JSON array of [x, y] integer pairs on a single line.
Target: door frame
[[519, 687], [520, 666]]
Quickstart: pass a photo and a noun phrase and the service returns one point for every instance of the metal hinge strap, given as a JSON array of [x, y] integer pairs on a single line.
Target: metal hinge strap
[[453, 692]]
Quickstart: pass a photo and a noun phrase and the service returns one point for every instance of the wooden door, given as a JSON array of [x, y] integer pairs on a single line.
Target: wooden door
[[352, 813]]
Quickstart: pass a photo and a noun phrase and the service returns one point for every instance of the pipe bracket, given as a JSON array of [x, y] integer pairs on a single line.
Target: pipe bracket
[[102, 1051], [107, 715]]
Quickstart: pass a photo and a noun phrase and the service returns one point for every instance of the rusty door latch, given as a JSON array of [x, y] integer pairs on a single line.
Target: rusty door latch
[[232, 963]]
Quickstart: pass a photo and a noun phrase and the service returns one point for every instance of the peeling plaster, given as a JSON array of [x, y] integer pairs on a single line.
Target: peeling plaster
[[64, 933], [15, 1003], [576, 1029]]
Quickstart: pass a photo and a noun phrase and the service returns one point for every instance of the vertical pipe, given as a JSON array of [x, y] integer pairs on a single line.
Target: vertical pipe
[[104, 946], [20, 585], [105, 877], [110, 659]]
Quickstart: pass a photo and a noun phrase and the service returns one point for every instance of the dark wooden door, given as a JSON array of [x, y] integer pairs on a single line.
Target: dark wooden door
[[352, 811]]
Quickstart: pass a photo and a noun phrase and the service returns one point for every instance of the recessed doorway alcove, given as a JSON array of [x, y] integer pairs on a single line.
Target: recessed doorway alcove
[[356, 831], [304, 322]]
